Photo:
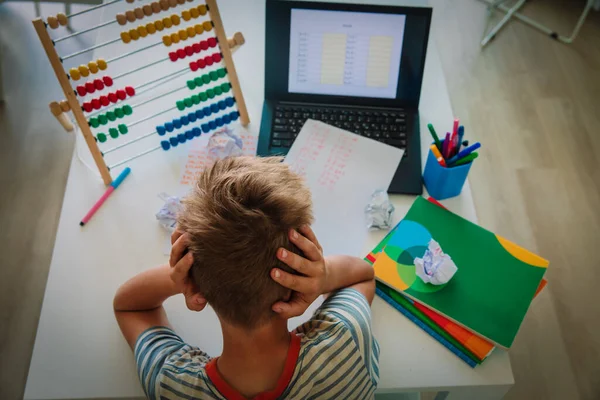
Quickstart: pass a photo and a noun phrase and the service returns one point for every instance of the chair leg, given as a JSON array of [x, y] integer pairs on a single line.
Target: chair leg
[[68, 12]]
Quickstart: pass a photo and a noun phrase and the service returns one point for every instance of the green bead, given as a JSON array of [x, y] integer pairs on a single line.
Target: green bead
[[214, 75], [222, 72], [218, 91], [127, 109], [111, 116], [114, 133], [198, 81], [123, 128], [210, 93], [94, 122], [101, 137], [203, 96], [225, 87], [188, 102], [191, 84], [102, 119], [206, 78], [180, 105], [196, 99], [119, 112]]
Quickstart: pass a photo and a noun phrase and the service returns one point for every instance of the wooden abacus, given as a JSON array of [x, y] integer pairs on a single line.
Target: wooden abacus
[[108, 106]]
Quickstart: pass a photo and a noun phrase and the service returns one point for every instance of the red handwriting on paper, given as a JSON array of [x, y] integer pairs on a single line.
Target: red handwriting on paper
[[337, 159]]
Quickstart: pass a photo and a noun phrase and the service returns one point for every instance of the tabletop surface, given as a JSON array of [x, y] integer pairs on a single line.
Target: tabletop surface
[[79, 351]]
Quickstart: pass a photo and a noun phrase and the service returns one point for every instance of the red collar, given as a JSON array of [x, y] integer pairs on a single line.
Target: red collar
[[282, 383]]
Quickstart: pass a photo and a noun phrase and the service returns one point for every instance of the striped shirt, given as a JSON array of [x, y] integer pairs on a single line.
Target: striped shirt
[[332, 356]]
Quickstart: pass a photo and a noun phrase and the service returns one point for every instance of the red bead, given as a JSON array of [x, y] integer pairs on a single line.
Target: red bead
[[173, 56], [130, 90], [196, 48], [216, 57], [194, 66], [204, 45], [107, 81], [189, 50], [113, 97], [87, 106], [208, 60], [81, 90], [201, 63], [96, 104], [89, 86], [99, 84], [121, 94], [104, 100], [181, 53], [212, 42]]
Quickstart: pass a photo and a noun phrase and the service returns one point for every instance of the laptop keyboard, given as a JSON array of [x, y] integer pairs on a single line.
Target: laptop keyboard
[[385, 126]]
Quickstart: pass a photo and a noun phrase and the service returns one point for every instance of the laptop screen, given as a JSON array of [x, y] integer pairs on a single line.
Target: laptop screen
[[345, 53]]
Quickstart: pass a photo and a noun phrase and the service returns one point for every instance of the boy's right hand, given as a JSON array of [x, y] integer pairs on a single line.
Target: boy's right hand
[[181, 262], [313, 269]]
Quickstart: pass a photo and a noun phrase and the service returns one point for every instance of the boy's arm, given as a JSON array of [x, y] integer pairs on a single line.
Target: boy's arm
[[352, 272]]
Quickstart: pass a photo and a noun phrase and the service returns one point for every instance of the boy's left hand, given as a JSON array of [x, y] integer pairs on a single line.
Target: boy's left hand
[[181, 263]]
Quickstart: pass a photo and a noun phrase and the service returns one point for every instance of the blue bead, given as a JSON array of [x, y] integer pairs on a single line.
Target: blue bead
[[205, 128], [161, 131], [234, 115], [181, 138], [219, 122], [165, 144], [177, 123], [226, 119], [229, 101], [214, 108], [189, 135], [174, 142], [197, 132], [169, 126], [207, 111], [212, 125], [222, 105], [199, 113], [192, 117], [184, 120]]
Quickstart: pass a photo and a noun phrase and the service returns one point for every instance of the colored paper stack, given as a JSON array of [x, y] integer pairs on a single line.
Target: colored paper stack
[[471, 314]]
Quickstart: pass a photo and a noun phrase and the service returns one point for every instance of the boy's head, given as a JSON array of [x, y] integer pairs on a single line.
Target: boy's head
[[238, 214]]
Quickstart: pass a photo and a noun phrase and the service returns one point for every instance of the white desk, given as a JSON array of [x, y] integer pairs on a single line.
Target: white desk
[[79, 351]]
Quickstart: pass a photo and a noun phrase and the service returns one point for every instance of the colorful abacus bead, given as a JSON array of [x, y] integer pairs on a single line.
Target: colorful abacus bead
[[81, 90], [226, 119], [229, 101], [222, 105], [181, 138], [192, 117], [173, 141], [102, 119], [113, 97], [74, 74], [119, 112], [165, 145], [127, 109], [121, 94], [111, 116], [161, 130], [205, 128], [113, 132], [130, 91], [176, 123], [211, 42], [214, 108], [98, 84], [94, 123], [123, 129], [184, 120], [189, 135], [101, 137], [102, 65], [104, 100], [197, 132], [169, 126], [199, 114]]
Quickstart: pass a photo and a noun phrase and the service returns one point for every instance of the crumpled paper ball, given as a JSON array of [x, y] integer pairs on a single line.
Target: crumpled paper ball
[[435, 267], [379, 212]]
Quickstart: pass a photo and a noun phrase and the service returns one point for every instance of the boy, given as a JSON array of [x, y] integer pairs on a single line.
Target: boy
[[245, 247]]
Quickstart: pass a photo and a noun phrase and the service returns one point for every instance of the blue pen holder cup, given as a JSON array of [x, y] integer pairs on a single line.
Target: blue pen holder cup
[[442, 182]]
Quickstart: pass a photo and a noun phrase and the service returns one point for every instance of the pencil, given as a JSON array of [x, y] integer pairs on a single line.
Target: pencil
[[111, 188]]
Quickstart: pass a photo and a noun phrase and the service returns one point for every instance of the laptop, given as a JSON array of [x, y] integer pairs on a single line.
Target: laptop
[[354, 66]]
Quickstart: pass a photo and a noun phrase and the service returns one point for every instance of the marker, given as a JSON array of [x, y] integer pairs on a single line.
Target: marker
[[465, 160], [464, 153], [455, 127], [113, 186], [461, 134], [453, 137], [438, 155], [446, 151], [435, 137]]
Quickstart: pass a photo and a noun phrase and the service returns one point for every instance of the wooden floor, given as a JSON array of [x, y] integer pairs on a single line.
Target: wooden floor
[[532, 102]]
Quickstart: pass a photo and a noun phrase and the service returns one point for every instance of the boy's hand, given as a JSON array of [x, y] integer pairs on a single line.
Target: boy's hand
[[181, 263], [305, 288]]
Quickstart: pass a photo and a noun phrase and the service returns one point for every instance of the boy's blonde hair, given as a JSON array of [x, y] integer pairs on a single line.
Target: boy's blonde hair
[[238, 214]]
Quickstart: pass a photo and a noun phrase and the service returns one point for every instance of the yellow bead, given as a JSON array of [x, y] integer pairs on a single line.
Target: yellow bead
[[167, 22], [101, 64], [83, 70], [173, 3], [202, 9], [207, 25], [93, 67], [62, 19], [186, 15], [190, 31], [174, 37], [134, 34], [125, 37], [167, 40], [142, 31], [52, 22], [159, 25], [182, 34], [151, 28], [74, 73], [194, 12], [175, 19], [199, 29]]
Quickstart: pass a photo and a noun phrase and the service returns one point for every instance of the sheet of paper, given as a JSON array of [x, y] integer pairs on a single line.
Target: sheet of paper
[[342, 170]]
